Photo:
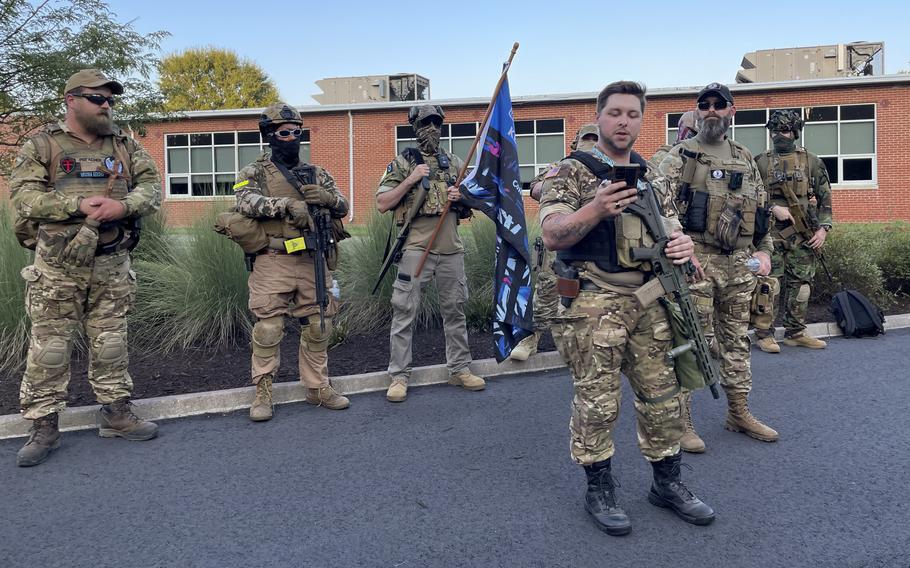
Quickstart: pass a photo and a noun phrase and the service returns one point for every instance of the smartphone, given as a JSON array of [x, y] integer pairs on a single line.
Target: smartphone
[[628, 174]]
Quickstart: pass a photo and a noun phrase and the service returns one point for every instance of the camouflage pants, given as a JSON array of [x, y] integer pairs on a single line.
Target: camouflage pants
[[602, 334], [545, 297], [59, 299], [723, 300], [793, 267]]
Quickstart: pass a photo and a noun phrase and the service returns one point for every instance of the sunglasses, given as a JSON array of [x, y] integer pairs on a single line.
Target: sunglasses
[[285, 133], [719, 105], [97, 99], [434, 120]]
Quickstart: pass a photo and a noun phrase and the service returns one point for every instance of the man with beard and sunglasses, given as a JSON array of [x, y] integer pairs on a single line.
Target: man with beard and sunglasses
[[546, 300], [79, 187], [720, 196], [427, 168], [787, 168], [282, 195], [605, 329]]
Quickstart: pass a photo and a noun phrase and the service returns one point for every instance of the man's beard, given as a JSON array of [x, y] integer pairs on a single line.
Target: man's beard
[[714, 130], [428, 138], [613, 148], [97, 124]]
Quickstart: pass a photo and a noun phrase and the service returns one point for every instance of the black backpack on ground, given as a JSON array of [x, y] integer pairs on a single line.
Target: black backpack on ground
[[856, 315]]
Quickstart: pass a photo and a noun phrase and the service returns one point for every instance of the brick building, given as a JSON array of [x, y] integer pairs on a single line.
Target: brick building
[[858, 125]]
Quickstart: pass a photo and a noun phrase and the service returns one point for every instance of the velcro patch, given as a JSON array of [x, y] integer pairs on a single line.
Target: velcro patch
[[553, 172], [241, 184]]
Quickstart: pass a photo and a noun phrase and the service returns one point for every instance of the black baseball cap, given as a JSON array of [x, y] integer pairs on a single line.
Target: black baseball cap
[[717, 90]]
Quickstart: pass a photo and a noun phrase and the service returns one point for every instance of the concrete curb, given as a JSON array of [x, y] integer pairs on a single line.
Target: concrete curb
[[215, 402], [230, 400]]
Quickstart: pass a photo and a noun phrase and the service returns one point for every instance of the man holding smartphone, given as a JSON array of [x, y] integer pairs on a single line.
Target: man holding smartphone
[[720, 196], [603, 329]]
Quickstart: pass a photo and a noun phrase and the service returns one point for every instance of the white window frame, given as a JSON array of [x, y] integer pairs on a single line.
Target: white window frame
[[537, 165], [189, 175]]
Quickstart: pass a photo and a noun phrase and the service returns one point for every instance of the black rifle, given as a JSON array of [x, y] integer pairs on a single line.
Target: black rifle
[[324, 236], [673, 280], [394, 254]]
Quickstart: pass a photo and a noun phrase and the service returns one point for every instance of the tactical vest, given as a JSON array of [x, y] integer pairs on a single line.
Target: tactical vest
[[609, 244], [440, 180], [705, 204], [274, 184], [83, 172], [790, 171]]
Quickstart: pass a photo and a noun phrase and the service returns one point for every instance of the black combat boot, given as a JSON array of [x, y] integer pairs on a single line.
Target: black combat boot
[[669, 492], [43, 438], [600, 500]]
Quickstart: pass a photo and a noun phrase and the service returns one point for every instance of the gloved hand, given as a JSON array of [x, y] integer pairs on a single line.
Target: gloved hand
[[80, 251], [299, 213], [319, 196]]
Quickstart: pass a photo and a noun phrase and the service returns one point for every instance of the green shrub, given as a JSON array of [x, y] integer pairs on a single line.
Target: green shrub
[[851, 253], [196, 297], [894, 257], [14, 323], [155, 242]]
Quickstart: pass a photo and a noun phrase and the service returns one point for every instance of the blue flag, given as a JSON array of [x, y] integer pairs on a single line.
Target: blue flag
[[494, 187]]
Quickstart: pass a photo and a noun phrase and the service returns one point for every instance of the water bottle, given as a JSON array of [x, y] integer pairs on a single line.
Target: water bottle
[[753, 264], [335, 290]]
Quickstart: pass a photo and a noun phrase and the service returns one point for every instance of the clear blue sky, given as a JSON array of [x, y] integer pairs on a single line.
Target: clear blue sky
[[565, 46]]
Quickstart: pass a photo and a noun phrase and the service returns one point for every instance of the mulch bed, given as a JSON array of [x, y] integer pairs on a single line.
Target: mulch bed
[[202, 370]]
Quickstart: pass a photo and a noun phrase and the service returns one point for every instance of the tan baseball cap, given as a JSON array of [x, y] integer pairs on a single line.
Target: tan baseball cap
[[92, 78]]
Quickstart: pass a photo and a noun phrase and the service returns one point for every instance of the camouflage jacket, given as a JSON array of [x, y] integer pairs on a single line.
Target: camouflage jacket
[[34, 199], [254, 199]]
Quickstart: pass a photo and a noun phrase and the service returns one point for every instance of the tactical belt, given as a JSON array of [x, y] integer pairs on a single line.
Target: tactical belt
[[276, 246], [711, 249]]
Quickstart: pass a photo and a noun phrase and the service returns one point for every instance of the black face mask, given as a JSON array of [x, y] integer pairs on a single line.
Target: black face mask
[[782, 144], [285, 152]]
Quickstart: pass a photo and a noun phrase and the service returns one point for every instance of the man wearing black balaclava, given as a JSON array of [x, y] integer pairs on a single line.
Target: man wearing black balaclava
[[427, 172], [788, 169], [282, 194]]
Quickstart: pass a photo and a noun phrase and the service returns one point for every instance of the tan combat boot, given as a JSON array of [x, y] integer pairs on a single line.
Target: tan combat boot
[[739, 419], [118, 419], [327, 396], [805, 340], [398, 390], [467, 380], [768, 344], [526, 348], [690, 442], [43, 438], [261, 409]]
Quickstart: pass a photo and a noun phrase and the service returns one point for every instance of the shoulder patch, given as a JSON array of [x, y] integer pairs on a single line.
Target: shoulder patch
[[389, 169], [552, 172], [241, 184]]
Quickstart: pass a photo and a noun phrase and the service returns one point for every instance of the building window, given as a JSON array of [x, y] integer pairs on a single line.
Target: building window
[[455, 139], [205, 164], [843, 136], [540, 143]]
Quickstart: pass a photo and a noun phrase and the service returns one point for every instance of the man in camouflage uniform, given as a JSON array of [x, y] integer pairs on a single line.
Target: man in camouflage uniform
[[79, 187], [398, 189], [283, 195], [786, 168], [719, 193], [686, 128], [546, 299], [607, 330]]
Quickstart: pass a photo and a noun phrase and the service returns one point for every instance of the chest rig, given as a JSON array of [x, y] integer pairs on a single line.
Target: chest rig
[[789, 172], [711, 186], [442, 175], [608, 245], [275, 184]]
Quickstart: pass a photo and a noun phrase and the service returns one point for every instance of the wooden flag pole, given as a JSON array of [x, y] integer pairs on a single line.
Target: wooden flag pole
[[464, 167]]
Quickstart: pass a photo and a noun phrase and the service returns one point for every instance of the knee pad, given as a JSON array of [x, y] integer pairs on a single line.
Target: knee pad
[[313, 337], [803, 294], [267, 335], [53, 353], [109, 347]]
